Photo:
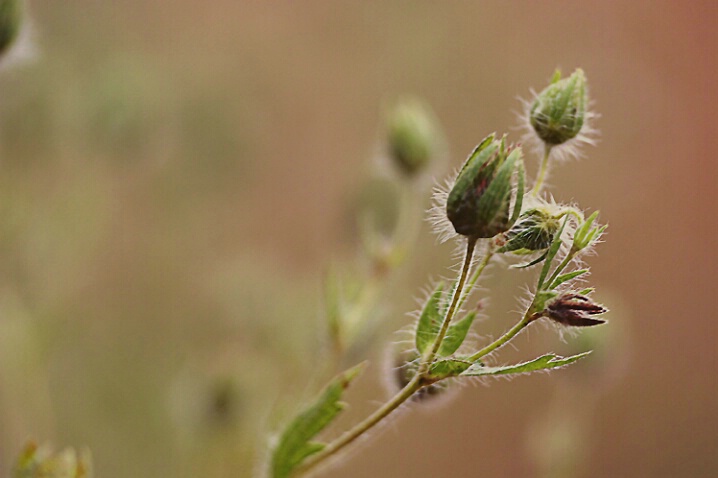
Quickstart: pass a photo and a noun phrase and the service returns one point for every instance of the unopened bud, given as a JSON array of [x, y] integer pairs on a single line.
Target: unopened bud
[[478, 204], [534, 231], [413, 135], [574, 310], [559, 111]]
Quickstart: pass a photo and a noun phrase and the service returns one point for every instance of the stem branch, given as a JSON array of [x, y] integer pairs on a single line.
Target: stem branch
[[510, 334]]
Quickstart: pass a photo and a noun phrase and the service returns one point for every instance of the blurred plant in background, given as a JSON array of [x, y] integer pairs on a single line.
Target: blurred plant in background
[[40, 462]]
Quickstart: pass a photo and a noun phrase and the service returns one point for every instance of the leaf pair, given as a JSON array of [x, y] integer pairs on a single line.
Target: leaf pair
[[429, 325]]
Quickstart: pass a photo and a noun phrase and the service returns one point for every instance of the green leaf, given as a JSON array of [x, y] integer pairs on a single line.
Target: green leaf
[[566, 277], [295, 446], [551, 254], [456, 335], [545, 362], [430, 320], [446, 368], [586, 291]]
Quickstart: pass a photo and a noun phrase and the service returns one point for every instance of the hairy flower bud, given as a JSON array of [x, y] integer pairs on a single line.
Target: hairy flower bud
[[559, 111], [10, 22], [574, 310], [478, 204], [534, 231], [413, 135]]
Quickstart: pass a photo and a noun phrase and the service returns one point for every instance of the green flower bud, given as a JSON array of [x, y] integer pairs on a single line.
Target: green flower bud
[[478, 204], [534, 231], [10, 22], [413, 135], [558, 112]]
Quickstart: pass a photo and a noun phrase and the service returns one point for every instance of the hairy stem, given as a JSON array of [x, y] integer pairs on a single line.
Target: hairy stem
[[475, 277], [510, 334], [453, 307], [542, 172], [566, 260]]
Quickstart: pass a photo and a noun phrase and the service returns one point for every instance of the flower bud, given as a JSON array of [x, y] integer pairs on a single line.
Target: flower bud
[[558, 112], [574, 310], [478, 204], [534, 231], [10, 22], [413, 135]]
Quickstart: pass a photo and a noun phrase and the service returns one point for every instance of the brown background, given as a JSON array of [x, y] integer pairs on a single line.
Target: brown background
[[175, 177]]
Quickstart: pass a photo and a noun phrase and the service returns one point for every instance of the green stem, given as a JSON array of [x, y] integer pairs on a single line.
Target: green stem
[[542, 172], [477, 274], [510, 334], [569, 257], [453, 307]]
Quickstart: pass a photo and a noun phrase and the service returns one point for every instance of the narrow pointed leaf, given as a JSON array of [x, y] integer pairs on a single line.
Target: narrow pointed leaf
[[586, 291], [567, 277], [295, 444], [456, 335], [545, 362], [430, 320], [532, 263]]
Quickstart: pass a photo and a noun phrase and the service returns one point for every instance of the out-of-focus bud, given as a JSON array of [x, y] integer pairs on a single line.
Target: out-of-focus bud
[[414, 136], [478, 204], [405, 367], [534, 231], [10, 22], [574, 310], [558, 112]]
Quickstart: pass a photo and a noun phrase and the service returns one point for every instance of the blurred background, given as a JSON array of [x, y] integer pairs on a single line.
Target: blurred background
[[176, 178]]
